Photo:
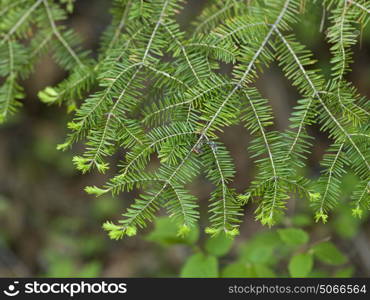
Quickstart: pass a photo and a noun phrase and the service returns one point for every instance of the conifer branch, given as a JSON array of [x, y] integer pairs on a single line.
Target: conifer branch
[[58, 35], [120, 26], [317, 95], [21, 20], [359, 5], [159, 93]]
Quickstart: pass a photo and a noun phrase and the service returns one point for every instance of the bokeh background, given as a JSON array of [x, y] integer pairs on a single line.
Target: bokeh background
[[50, 227]]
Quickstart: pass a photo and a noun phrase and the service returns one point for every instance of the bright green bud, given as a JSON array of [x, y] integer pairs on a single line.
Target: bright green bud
[[244, 198], [63, 146], [115, 232], [109, 226], [131, 231], [48, 95], [2, 117], [314, 196], [212, 231], [357, 212], [71, 107], [232, 233], [102, 167], [74, 126], [269, 221], [183, 231], [81, 163], [321, 215], [93, 190]]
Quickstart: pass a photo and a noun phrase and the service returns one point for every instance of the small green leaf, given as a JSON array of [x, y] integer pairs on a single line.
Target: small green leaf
[[61, 267], [318, 274], [200, 266], [344, 273], [344, 224], [293, 236], [166, 232], [257, 254], [301, 220], [236, 270], [300, 265], [263, 271], [326, 252], [219, 245], [260, 248], [90, 270]]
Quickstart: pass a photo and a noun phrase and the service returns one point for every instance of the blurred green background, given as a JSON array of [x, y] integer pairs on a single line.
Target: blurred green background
[[50, 227]]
